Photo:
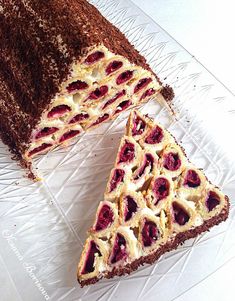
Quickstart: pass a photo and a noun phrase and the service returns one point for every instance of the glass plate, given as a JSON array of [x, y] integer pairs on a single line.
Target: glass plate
[[43, 225]]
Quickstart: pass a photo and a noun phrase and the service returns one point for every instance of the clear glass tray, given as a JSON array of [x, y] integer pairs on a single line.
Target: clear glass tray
[[43, 225]]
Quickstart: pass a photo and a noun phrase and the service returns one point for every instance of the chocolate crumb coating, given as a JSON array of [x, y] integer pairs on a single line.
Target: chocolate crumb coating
[[168, 93], [40, 40]]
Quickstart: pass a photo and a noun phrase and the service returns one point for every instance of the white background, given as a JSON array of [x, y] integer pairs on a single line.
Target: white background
[[206, 29]]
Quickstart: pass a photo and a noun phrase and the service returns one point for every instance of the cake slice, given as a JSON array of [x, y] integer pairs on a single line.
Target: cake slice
[[155, 200], [64, 69]]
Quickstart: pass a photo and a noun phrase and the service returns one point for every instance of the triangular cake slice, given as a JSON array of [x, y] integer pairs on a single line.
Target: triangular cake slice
[[65, 70], [155, 200]]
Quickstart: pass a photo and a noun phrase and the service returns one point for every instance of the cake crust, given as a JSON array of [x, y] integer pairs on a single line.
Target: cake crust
[[39, 43], [179, 239]]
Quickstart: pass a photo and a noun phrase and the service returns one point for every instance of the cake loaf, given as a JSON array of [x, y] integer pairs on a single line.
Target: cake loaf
[[155, 200], [64, 69]]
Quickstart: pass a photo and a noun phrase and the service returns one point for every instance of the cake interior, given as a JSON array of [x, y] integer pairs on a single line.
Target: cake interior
[[100, 87], [155, 199]]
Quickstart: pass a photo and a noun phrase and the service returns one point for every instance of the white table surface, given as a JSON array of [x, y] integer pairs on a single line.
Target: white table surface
[[206, 29]]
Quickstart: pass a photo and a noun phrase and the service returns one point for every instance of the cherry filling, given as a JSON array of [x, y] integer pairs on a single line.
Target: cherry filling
[[131, 208], [94, 57], [150, 233], [46, 132], [119, 249], [161, 189], [101, 119], [90, 258], [105, 218], [155, 136], [149, 160], [112, 100], [59, 111], [70, 134], [212, 200], [76, 86], [113, 66], [78, 118], [142, 84], [123, 106], [192, 179], [127, 152], [99, 92], [172, 161], [138, 126], [124, 77], [117, 178], [147, 93], [181, 216], [39, 149]]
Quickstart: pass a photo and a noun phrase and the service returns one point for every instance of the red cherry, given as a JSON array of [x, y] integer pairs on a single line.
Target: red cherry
[[192, 179], [99, 92], [138, 126], [46, 132], [127, 152], [150, 233], [124, 77], [117, 178], [39, 149], [90, 258], [172, 161], [77, 86], [155, 136], [131, 208], [101, 119], [105, 218], [94, 57], [79, 117], [161, 189], [212, 200], [59, 111], [119, 249], [180, 214], [113, 66], [68, 135], [147, 93], [142, 84]]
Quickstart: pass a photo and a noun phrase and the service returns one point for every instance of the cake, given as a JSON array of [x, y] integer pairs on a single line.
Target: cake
[[155, 200], [64, 69]]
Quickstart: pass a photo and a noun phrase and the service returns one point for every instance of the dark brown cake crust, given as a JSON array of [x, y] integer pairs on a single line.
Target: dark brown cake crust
[[180, 238], [34, 61], [168, 93]]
